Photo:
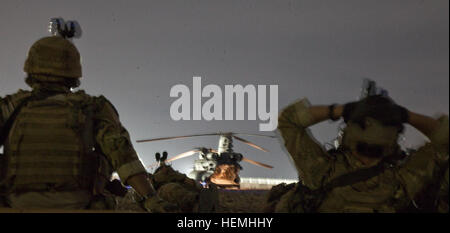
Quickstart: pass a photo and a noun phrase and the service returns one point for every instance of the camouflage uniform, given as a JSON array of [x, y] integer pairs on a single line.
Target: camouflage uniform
[[443, 195], [176, 187], [62, 147], [389, 191], [111, 138]]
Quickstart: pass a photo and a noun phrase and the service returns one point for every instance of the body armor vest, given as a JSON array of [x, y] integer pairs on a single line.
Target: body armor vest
[[51, 142]]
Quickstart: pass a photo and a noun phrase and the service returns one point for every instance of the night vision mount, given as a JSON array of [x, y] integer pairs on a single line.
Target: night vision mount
[[370, 88], [67, 30]]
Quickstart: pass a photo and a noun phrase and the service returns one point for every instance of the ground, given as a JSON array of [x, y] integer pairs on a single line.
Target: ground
[[230, 201], [241, 201]]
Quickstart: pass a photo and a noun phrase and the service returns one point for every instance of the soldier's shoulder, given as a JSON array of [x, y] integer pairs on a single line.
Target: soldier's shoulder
[[19, 94], [16, 97], [22, 92], [81, 98], [9, 103], [100, 101]]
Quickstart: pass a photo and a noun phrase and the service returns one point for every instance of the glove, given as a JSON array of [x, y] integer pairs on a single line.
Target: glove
[[155, 204], [348, 110], [378, 107]]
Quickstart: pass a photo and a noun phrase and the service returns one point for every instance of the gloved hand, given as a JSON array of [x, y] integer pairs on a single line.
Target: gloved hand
[[379, 107], [155, 204], [348, 110]]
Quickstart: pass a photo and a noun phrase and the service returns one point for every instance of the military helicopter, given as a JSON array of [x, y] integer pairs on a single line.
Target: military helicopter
[[221, 166]]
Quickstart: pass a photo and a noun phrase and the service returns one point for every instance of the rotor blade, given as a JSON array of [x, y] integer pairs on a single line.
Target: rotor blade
[[256, 163], [177, 137], [183, 155], [250, 144], [206, 134], [258, 135]]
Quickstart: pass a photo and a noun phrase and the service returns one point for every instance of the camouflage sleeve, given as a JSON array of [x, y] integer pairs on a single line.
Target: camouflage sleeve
[[114, 141], [310, 159], [421, 168]]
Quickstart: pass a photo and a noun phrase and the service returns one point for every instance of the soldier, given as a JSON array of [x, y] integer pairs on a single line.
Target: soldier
[[176, 187], [364, 173], [60, 146]]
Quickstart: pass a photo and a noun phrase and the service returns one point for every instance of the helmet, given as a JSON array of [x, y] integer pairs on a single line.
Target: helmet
[[54, 56]]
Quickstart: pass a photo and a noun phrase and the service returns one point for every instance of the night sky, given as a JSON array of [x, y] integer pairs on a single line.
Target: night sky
[[133, 52]]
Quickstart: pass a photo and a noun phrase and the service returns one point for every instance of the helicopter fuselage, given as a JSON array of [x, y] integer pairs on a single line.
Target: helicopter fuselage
[[223, 165]]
